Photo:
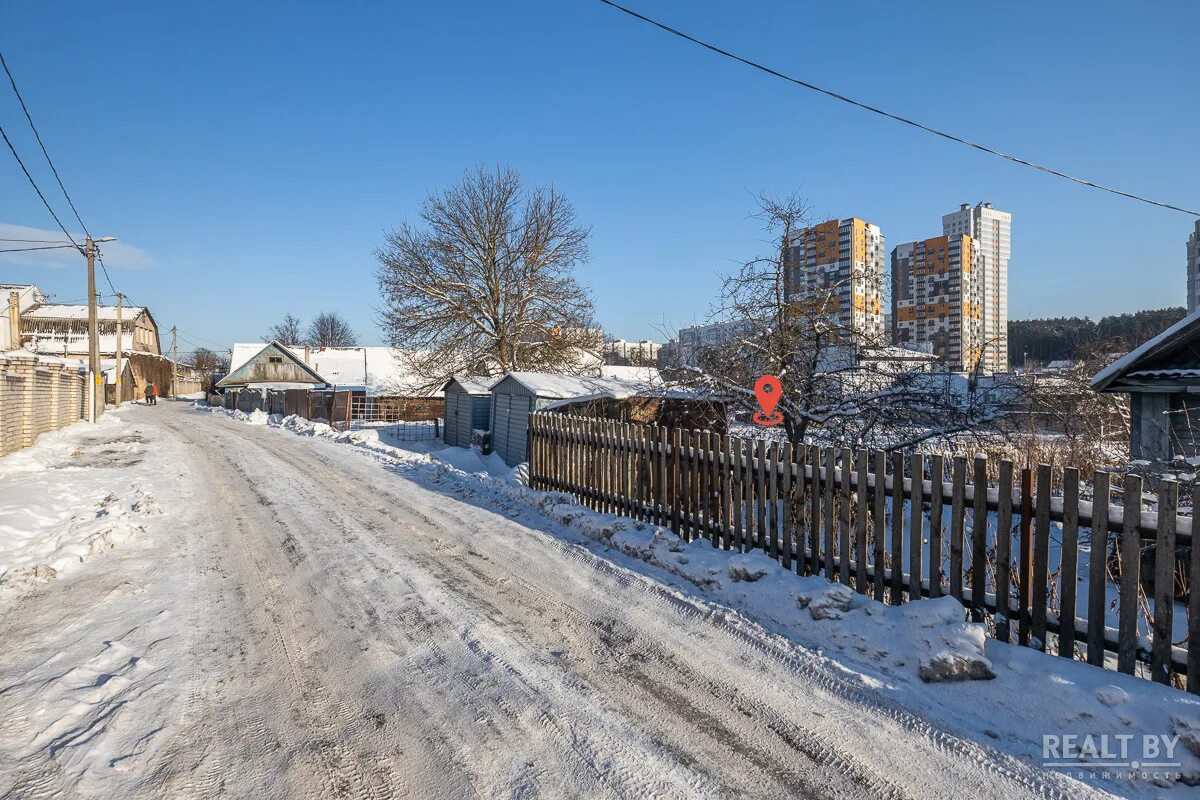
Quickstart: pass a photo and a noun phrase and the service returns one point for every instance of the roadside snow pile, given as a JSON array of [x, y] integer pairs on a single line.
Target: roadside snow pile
[[925, 655], [68, 498]]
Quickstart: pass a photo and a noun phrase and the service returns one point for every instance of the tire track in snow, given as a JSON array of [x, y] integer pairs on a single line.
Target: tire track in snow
[[810, 670]]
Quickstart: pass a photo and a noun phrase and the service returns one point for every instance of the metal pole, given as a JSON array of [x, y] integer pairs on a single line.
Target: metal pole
[[174, 363], [117, 388], [89, 249]]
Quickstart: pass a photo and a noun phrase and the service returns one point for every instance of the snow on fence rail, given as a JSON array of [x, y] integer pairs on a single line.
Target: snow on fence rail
[[829, 511]]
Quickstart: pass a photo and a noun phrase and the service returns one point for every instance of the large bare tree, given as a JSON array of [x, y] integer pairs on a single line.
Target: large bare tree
[[485, 283], [286, 331], [328, 329], [841, 384]]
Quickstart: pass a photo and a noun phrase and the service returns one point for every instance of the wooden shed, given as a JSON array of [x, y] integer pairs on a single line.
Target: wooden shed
[[518, 394], [1162, 379], [468, 405]]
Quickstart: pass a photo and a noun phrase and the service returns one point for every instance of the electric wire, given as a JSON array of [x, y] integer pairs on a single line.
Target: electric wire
[[896, 117]]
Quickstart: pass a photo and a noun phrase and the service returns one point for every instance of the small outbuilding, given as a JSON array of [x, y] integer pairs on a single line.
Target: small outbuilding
[[1162, 379], [273, 367], [518, 394], [468, 404]]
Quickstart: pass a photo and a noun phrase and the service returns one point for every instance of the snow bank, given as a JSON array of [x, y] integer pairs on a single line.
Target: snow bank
[[69, 498], [925, 654]]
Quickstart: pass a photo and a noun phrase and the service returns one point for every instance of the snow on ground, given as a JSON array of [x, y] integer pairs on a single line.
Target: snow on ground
[[923, 655], [305, 619], [71, 497], [90, 661]]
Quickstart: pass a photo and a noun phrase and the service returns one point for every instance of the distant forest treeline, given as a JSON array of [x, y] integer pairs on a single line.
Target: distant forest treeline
[[1072, 337]]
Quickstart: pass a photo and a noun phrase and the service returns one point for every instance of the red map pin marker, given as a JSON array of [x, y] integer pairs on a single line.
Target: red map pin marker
[[769, 392]]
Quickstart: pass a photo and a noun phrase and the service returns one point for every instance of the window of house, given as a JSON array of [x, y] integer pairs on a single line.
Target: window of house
[[275, 359]]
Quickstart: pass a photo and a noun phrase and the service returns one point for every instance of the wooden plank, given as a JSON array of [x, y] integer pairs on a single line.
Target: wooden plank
[[1068, 570], [727, 491], [814, 510], [676, 449], [879, 523], [860, 523], [979, 529], [846, 501], [737, 487], [1004, 551], [697, 497], [958, 494], [664, 492], [760, 495], [829, 484], [1041, 557], [799, 484], [748, 494], [1164, 583], [1193, 640], [773, 498], [789, 508], [916, 527], [1127, 609], [897, 549], [937, 471], [714, 470], [1098, 569], [708, 504], [1025, 595]]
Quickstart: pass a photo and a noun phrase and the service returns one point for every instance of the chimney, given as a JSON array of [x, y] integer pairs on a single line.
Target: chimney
[[14, 320], [306, 353]]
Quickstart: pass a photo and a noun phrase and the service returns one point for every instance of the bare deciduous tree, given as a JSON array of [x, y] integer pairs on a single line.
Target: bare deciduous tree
[[328, 329], [288, 331], [839, 383], [485, 283], [209, 361]]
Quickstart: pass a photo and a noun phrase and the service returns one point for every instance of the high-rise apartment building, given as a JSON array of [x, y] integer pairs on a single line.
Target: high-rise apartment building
[[937, 307], [1193, 283], [839, 266], [991, 231]]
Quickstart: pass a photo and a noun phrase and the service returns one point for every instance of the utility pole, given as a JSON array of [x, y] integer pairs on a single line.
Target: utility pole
[[120, 297], [97, 388], [174, 363]]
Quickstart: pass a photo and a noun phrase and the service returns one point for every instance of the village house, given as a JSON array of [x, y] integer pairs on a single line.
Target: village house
[[1162, 379]]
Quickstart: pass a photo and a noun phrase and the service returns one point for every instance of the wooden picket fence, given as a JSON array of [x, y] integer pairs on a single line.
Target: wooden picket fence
[[826, 511]]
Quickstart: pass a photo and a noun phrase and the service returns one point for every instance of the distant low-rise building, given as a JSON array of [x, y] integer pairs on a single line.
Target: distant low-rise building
[[17, 298], [62, 330]]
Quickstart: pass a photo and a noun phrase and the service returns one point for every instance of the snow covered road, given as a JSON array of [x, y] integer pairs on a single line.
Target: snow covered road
[[317, 623]]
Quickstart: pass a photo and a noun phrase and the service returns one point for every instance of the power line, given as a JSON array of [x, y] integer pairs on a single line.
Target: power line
[[38, 136], [37, 241], [44, 247], [33, 183], [896, 117], [104, 269]]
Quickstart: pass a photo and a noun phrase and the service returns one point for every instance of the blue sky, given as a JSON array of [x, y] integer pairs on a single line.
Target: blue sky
[[250, 159]]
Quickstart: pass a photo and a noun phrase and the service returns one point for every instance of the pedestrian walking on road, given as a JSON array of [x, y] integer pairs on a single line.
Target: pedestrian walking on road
[[151, 394]]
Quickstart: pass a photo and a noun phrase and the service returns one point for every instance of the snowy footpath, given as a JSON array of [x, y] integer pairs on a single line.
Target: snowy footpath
[[194, 605]]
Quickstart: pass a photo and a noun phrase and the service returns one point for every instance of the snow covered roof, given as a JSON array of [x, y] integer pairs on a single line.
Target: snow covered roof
[[894, 353], [642, 374], [473, 384], [560, 387], [1180, 340], [56, 311], [379, 370]]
